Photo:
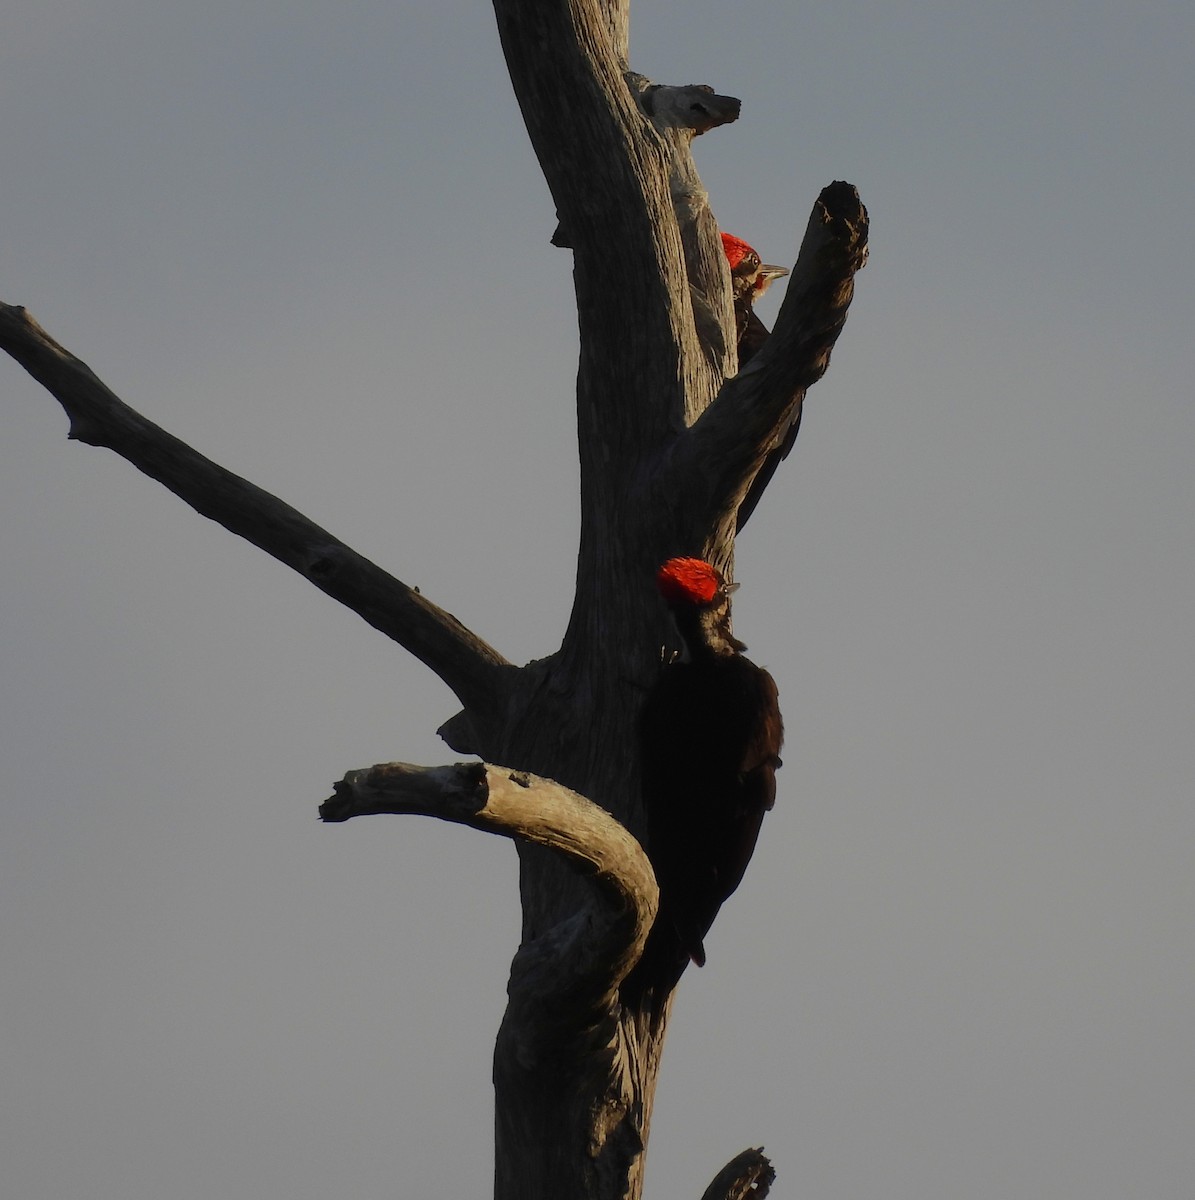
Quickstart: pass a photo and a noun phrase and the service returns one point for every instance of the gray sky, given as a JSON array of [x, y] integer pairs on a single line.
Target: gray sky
[[312, 240]]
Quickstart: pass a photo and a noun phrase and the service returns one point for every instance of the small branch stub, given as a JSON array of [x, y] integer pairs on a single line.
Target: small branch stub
[[693, 106]]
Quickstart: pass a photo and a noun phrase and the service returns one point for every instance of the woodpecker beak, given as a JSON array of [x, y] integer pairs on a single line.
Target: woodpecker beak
[[767, 273], [729, 589]]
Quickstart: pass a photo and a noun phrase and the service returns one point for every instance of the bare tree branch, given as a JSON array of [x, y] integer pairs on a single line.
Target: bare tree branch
[[469, 666], [563, 982], [748, 1174], [714, 463]]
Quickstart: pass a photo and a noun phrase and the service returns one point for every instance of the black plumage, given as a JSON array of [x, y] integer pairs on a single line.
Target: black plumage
[[710, 738]]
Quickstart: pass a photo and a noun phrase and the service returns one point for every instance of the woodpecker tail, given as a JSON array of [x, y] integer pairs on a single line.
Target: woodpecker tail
[[667, 953]]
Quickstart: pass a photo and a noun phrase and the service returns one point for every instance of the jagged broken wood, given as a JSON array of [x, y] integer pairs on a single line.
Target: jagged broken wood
[[748, 1176]]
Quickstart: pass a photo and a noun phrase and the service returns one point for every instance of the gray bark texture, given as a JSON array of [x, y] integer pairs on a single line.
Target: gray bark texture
[[670, 438]]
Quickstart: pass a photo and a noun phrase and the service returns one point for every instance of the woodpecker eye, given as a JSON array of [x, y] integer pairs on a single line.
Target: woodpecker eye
[[699, 108]]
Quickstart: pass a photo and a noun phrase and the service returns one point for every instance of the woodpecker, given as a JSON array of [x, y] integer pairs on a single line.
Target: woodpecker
[[750, 277], [710, 736]]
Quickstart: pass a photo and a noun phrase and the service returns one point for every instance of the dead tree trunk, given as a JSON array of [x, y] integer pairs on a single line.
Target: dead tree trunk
[[670, 439]]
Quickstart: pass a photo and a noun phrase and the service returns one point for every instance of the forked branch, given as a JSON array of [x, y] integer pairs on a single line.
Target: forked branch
[[718, 456], [473, 669]]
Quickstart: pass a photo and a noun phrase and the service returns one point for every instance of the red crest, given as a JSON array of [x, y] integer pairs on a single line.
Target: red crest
[[736, 249], [688, 581]]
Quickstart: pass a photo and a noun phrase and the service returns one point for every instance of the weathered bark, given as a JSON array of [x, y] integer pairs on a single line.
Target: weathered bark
[[669, 441]]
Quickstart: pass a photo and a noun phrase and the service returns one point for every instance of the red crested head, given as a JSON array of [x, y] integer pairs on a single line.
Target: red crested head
[[735, 249], [688, 581]]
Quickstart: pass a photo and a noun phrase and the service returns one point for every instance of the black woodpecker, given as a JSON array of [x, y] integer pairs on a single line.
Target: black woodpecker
[[710, 737]]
